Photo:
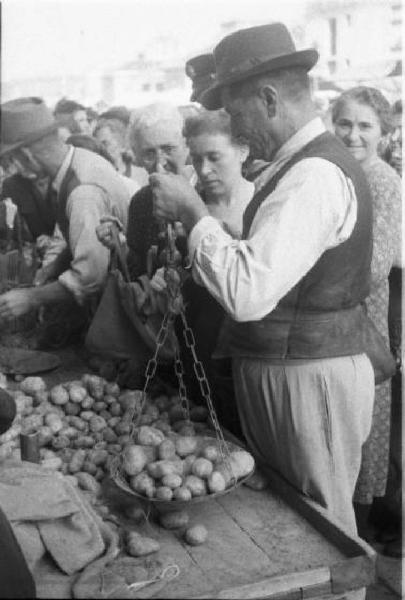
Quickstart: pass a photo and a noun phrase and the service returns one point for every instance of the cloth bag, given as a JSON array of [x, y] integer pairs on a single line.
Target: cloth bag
[[127, 320]]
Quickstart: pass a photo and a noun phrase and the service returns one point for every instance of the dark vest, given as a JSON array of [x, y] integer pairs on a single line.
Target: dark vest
[[322, 315]]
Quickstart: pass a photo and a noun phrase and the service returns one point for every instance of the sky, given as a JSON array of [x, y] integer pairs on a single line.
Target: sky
[[50, 37]]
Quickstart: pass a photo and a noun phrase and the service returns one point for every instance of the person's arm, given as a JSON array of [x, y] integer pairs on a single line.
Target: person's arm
[[313, 209], [90, 259]]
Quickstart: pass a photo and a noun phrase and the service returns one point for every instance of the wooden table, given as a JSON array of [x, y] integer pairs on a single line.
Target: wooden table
[[273, 544]]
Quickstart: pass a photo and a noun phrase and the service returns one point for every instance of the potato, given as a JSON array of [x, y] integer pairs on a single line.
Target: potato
[[66, 454], [143, 484], [242, 462], [53, 464], [174, 520], [172, 481], [112, 389], [54, 422], [77, 461], [109, 435], [162, 403], [86, 415], [185, 445], [77, 423], [97, 457], [182, 493], [202, 468], [149, 436], [125, 440], [99, 474], [87, 403], [145, 420], [123, 428], [59, 395], [40, 397], [151, 410], [89, 467], [166, 450], [94, 385], [99, 406], [196, 485], [164, 492], [32, 385], [69, 432], [176, 413], [134, 459], [131, 400], [72, 409], [97, 423], [83, 441], [138, 545], [135, 513], [114, 448], [115, 409], [160, 468], [77, 393], [87, 482], [186, 430], [60, 442], [216, 482], [188, 464], [45, 435], [199, 413], [196, 535], [162, 425], [211, 453]]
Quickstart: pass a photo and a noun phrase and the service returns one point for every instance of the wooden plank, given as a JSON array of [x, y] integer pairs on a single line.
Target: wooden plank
[[274, 587], [290, 541]]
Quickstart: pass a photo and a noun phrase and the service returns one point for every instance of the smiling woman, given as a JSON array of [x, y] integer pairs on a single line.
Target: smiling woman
[[361, 117]]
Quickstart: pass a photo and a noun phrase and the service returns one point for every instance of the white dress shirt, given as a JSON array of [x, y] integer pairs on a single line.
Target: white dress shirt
[[313, 209]]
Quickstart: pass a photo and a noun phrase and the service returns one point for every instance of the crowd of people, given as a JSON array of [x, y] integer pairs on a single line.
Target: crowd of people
[[287, 254]]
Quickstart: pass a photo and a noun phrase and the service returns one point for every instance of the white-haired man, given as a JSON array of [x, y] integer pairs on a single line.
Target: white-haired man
[[156, 138]]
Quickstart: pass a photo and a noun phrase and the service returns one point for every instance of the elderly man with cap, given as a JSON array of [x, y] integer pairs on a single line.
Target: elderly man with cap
[[295, 284], [84, 188]]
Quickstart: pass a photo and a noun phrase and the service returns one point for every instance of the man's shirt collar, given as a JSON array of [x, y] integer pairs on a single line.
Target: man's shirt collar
[[60, 175]]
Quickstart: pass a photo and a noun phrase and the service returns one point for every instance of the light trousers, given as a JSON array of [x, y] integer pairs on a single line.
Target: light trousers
[[308, 421]]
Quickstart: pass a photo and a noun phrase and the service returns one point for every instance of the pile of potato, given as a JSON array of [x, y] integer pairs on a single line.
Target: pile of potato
[[170, 466], [83, 423]]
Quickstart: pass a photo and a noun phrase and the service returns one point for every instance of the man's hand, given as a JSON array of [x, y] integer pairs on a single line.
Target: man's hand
[[104, 231], [176, 200], [16, 303]]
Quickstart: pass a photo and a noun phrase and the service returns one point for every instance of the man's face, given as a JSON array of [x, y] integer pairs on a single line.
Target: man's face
[[161, 147], [249, 121], [80, 122], [24, 162]]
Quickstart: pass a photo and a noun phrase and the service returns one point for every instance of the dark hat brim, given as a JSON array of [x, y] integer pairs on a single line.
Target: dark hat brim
[[211, 98], [29, 139]]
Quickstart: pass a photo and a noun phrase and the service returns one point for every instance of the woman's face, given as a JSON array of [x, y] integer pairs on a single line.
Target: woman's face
[[359, 127], [217, 161]]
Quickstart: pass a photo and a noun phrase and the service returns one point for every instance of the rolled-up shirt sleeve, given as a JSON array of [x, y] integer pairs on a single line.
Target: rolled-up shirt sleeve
[[313, 208], [90, 259]]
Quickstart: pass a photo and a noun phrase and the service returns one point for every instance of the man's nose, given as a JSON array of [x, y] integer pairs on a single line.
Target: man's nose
[[205, 167]]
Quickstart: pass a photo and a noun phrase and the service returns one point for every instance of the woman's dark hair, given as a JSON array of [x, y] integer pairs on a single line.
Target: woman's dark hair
[[369, 97], [81, 140], [397, 107], [211, 122]]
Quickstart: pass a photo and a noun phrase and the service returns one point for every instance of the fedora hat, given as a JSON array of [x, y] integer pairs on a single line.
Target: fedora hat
[[201, 71], [24, 121], [253, 51]]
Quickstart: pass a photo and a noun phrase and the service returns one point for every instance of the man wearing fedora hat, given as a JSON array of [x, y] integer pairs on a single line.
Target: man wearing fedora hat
[[85, 187], [201, 70], [294, 285]]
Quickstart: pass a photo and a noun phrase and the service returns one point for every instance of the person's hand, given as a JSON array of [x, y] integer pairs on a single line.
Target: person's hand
[[16, 303], [44, 274], [104, 231], [176, 200], [158, 281]]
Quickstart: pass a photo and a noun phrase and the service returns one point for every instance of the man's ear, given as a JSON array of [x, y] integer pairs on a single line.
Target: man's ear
[[269, 96]]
